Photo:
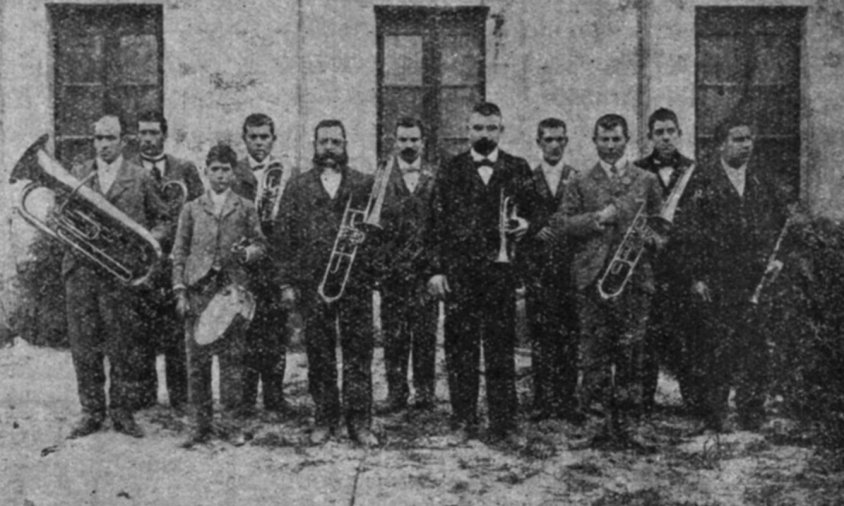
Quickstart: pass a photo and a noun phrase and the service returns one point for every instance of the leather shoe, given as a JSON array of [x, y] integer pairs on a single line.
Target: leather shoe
[[321, 434], [125, 424], [365, 438], [197, 437], [87, 425]]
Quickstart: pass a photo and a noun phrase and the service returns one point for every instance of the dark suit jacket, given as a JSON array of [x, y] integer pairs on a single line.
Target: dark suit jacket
[[669, 262], [594, 245], [245, 184], [404, 218], [730, 236], [308, 223], [463, 239], [133, 191], [548, 262], [204, 240]]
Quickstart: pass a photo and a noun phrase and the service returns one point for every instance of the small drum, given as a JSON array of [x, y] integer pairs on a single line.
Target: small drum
[[231, 308]]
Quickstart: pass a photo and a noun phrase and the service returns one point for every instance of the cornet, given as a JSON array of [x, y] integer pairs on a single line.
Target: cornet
[[506, 218], [269, 202], [352, 234]]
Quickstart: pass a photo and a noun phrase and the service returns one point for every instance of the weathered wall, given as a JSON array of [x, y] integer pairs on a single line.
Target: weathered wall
[[304, 60]]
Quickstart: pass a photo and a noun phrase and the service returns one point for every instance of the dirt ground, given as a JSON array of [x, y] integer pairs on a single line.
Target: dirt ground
[[419, 462]]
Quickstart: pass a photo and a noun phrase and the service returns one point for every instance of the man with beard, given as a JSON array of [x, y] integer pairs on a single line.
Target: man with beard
[[597, 210], [733, 220], [408, 313], [265, 356], [103, 317], [550, 296], [163, 324], [479, 292], [312, 210], [670, 331]]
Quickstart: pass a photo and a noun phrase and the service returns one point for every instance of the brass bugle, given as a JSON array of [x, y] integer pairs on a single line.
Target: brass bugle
[[84, 220], [269, 202], [505, 216]]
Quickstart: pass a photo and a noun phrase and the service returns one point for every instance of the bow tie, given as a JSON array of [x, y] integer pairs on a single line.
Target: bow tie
[[486, 162], [154, 161]]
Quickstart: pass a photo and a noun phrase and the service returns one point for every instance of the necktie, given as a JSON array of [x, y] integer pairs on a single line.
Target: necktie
[[484, 168], [156, 166]]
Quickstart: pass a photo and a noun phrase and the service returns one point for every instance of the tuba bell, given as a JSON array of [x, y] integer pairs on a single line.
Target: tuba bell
[[84, 220], [352, 234]]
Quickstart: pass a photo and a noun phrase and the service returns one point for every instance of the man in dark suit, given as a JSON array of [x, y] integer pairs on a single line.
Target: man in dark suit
[[408, 313], [550, 295], [165, 329], [733, 216], [312, 211], [479, 292], [672, 322], [103, 315], [266, 340], [597, 210]]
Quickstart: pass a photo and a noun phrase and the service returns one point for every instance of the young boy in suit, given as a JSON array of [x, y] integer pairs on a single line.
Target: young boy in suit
[[209, 254]]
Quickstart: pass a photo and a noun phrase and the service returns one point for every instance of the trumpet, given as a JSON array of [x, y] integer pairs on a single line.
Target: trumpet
[[269, 202], [638, 235], [506, 216], [84, 220], [352, 234]]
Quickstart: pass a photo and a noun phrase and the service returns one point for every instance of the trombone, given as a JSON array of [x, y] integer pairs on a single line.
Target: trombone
[[352, 234], [638, 235]]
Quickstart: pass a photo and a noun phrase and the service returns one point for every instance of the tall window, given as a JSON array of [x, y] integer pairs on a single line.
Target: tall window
[[748, 62], [430, 65], [107, 59]]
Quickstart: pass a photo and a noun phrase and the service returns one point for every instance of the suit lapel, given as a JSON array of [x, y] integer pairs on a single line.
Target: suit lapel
[[230, 205], [122, 181], [541, 184]]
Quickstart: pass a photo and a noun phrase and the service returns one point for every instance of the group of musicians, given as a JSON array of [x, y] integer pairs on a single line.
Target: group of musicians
[[469, 234]]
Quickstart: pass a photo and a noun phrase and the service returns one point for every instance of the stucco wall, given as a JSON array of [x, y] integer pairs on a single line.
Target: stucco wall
[[305, 60]]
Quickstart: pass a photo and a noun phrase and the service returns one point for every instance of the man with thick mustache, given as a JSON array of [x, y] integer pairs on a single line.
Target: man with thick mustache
[[164, 327], [408, 313], [311, 213], [734, 215], [479, 293], [597, 210]]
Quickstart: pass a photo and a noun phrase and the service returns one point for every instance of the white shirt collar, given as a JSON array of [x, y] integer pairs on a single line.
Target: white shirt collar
[[552, 169], [107, 172], [219, 199], [620, 166], [255, 163], [477, 157], [737, 176]]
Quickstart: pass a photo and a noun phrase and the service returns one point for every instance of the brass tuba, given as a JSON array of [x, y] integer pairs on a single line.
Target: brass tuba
[[269, 202], [638, 235], [352, 234], [84, 220]]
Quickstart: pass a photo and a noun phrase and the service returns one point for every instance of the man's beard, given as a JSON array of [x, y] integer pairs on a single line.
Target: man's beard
[[409, 155], [331, 160], [485, 146]]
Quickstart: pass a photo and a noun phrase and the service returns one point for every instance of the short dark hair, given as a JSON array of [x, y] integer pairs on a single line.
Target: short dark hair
[[724, 127], [258, 119], [153, 116], [610, 121], [119, 120], [662, 114], [330, 123], [487, 109], [548, 124], [223, 153], [411, 122]]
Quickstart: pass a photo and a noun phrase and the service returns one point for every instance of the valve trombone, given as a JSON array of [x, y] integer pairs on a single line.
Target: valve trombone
[[352, 233]]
